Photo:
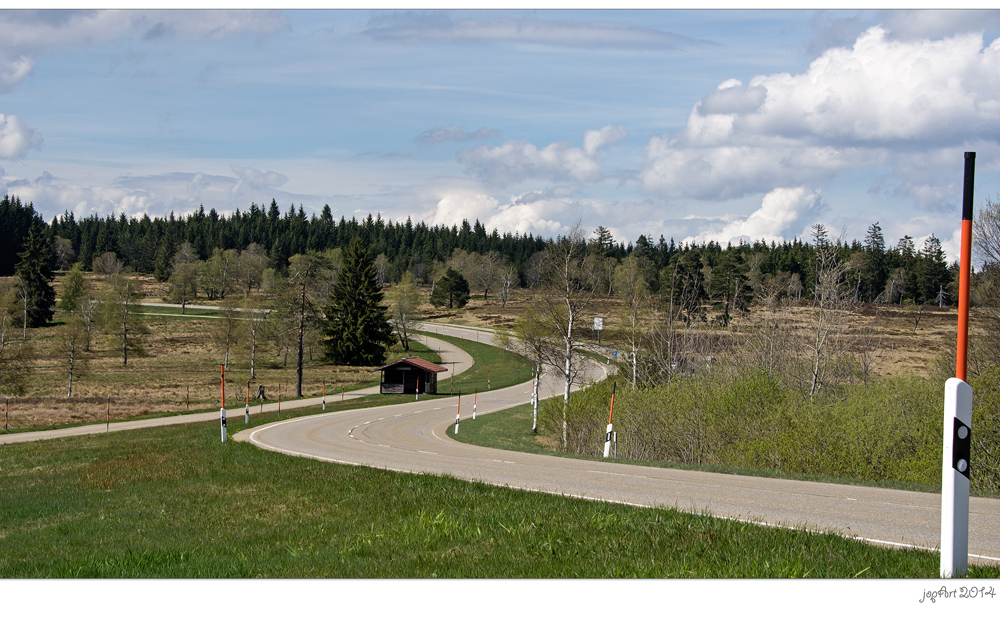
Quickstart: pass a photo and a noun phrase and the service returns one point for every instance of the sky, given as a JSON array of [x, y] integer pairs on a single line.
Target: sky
[[696, 125]]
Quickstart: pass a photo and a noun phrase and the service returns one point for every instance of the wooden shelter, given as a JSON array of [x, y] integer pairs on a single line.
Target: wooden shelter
[[409, 376]]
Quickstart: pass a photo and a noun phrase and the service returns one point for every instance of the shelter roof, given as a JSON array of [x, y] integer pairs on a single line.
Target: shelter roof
[[414, 362]]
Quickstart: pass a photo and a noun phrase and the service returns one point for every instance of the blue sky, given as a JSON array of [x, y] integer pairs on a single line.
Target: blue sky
[[693, 124]]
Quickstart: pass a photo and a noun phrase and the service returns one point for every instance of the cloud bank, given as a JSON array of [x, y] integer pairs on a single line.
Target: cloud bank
[[852, 109]]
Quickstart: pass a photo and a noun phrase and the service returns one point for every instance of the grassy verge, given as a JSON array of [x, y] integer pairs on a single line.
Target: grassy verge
[[173, 502], [510, 430], [494, 368]]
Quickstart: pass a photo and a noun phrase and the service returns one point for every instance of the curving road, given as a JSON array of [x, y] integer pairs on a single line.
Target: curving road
[[411, 438]]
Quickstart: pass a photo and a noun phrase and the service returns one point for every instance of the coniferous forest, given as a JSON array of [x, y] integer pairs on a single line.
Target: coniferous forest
[[878, 270]]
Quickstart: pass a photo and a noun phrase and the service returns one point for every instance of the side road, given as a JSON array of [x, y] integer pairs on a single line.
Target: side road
[[452, 357]]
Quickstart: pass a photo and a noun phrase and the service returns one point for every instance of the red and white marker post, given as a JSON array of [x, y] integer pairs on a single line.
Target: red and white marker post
[[324, 394], [458, 413], [246, 410], [417, 394], [475, 400], [607, 439], [222, 410], [958, 413]]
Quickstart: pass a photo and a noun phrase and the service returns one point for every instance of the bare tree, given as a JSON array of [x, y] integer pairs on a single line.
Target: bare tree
[[534, 272], [225, 330], [15, 352], [508, 281], [24, 297], [217, 275], [254, 326], [795, 287], [250, 267], [183, 284], [548, 328], [487, 270], [634, 291], [301, 304], [986, 232], [985, 348], [869, 347], [382, 267], [185, 254], [70, 341], [121, 314], [65, 255], [107, 265], [404, 299], [827, 341]]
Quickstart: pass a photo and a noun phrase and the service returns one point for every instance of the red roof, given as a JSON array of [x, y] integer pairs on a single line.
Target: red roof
[[414, 362]]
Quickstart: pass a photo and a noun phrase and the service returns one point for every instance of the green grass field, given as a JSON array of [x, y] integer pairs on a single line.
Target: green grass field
[[173, 502]]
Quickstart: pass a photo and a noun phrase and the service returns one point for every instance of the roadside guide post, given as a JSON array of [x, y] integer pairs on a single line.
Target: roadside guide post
[[534, 400], [246, 410], [222, 410], [607, 439], [958, 413]]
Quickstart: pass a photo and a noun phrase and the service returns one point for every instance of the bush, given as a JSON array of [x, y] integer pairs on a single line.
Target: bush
[[890, 430]]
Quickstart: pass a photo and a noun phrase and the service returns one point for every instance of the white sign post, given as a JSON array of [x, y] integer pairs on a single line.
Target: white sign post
[[955, 478], [598, 326]]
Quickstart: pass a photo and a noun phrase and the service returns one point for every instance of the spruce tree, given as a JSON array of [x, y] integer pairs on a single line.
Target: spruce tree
[[357, 329], [35, 273], [451, 289]]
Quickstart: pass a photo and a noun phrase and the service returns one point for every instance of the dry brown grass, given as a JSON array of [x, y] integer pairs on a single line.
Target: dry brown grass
[[181, 368]]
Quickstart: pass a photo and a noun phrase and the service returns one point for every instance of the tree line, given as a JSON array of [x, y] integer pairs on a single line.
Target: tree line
[[203, 255], [734, 275]]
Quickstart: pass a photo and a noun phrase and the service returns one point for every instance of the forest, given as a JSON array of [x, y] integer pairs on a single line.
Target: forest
[[734, 275]]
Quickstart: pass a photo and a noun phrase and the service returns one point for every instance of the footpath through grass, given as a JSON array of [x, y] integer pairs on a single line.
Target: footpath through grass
[[174, 502]]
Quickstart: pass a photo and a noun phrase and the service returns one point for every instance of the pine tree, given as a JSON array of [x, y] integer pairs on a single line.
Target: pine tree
[[357, 329], [35, 272], [451, 289]]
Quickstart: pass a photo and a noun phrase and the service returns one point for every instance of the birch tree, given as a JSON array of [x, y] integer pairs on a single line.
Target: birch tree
[[121, 315]]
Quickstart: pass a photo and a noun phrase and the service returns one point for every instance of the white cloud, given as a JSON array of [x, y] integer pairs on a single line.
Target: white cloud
[[782, 210], [24, 34], [155, 195], [16, 137], [518, 160], [603, 137], [413, 27], [929, 23], [453, 133], [255, 181], [849, 110], [14, 71]]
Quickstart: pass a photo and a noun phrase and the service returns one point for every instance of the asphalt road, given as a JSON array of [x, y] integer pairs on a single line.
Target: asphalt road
[[411, 438]]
